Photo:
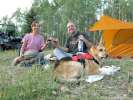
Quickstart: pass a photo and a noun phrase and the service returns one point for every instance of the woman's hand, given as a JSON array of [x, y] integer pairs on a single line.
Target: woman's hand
[[55, 43]]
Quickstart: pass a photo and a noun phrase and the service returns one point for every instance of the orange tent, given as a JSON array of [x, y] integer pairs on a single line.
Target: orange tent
[[117, 36]]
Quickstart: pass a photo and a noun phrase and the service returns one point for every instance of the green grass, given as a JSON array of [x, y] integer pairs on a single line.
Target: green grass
[[35, 83]]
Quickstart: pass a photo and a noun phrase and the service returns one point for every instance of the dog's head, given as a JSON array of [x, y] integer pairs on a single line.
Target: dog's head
[[99, 51], [102, 52]]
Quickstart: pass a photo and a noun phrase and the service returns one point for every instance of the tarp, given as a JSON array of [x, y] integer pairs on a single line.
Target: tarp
[[117, 36]]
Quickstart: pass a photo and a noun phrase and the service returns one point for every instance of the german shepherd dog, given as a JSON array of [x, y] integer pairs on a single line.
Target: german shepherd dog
[[68, 70]]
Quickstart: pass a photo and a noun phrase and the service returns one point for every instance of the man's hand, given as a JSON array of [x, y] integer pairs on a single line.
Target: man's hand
[[81, 37], [88, 43]]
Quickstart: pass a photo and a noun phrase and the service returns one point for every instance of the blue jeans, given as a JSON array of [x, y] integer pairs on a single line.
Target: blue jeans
[[59, 53]]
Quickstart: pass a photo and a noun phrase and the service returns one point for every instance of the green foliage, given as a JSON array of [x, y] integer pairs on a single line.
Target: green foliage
[[29, 17], [55, 15], [120, 9], [8, 28]]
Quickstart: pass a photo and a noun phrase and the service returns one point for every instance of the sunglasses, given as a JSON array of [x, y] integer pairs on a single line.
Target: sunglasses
[[51, 40], [54, 41]]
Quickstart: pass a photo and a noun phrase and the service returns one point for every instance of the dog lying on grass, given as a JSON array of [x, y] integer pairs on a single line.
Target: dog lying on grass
[[69, 70]]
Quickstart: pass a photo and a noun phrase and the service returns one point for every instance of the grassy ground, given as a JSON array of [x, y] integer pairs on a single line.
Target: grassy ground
[[35, 83]]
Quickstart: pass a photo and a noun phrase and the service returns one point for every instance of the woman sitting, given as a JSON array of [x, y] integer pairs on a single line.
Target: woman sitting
[[32, 44]]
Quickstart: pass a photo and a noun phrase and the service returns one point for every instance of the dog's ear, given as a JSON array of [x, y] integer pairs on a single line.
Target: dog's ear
[[93, 49], [101, 43]]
